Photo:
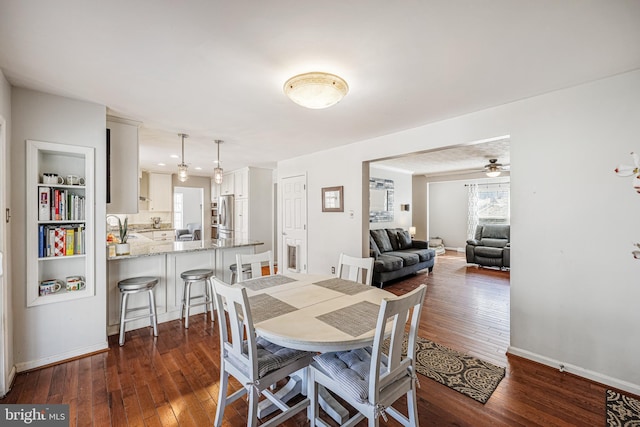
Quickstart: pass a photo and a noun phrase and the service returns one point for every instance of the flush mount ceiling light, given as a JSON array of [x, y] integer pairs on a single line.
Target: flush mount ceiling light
[[316, 90], [182, 167], [217, 172]]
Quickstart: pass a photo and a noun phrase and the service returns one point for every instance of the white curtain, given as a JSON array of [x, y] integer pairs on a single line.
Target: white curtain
[[472, 217]]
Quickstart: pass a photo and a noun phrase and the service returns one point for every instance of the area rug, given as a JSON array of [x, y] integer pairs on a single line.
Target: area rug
[[466, 374], [622, 410]]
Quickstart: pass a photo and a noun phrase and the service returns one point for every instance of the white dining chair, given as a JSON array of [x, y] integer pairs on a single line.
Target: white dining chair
[[356, 269], [256, 262], [256, 363], [366, 378]]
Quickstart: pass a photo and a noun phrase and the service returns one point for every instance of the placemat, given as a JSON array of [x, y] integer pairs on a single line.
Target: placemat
[[265, 307], [264, 282], [355, 319], [345, 286]]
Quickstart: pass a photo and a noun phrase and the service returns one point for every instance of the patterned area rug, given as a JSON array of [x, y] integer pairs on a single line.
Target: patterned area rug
[[622, 411], [466, 374]]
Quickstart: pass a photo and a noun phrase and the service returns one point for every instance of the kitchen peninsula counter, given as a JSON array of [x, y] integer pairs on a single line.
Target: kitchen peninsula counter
[[167, 260], [142, 247]]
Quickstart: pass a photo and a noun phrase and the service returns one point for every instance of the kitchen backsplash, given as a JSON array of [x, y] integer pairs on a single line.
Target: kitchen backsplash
[[143, 218]]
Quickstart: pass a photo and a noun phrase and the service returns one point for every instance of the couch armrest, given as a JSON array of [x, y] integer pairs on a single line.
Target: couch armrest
[[473, 242], [419, 244]]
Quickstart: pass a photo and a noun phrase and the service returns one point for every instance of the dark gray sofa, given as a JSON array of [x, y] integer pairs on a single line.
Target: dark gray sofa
[[396, 254], [490, 246]]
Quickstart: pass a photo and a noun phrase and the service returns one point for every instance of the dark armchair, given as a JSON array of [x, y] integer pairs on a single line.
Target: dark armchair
[[192, 232], [491, 246]]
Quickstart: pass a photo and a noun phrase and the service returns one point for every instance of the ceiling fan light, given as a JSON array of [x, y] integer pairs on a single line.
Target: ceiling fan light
[[493, 173], [316, 90]]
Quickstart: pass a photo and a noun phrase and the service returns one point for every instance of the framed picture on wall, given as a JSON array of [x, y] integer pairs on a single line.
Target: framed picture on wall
[[333, 199]]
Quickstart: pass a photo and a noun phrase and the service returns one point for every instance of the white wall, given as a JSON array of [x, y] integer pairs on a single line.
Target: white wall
[[448, 213], [574, 290], [402, 190], [6, 311], [47, 333]]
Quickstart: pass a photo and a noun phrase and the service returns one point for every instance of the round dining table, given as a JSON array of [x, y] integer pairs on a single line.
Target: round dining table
[[316, 313]]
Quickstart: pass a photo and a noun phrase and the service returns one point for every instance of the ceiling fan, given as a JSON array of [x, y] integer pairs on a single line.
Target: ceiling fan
[[494, 169]]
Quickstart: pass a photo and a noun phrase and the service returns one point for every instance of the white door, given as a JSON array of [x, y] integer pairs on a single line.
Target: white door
[[294, 224]]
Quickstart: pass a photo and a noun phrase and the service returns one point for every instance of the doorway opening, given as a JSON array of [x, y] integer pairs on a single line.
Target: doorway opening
[[188, 208]]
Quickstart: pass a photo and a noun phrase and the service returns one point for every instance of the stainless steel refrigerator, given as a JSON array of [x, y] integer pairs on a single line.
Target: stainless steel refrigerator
[[225, 214]]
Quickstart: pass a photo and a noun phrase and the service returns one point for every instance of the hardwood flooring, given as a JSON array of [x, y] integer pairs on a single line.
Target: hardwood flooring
[[173, 379]]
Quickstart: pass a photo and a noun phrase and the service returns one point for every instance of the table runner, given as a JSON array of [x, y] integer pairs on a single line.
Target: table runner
[[264, 282], [345, 286], [355, 319]]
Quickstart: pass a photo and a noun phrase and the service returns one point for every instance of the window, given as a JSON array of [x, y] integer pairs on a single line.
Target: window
[[493, 204], [177, 210]]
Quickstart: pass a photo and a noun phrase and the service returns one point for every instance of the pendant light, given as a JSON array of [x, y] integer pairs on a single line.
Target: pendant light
[[182, 167], [217, 172]]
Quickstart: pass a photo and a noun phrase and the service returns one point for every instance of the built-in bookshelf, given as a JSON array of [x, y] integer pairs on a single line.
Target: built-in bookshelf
[[59, 219]]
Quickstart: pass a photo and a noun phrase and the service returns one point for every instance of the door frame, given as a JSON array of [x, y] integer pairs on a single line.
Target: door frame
[[6, 372]]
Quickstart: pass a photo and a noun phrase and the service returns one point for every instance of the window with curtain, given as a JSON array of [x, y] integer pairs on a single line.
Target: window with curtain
[[488, 204]]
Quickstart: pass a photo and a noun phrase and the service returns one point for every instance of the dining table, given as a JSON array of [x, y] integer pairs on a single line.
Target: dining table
[[317, 313]]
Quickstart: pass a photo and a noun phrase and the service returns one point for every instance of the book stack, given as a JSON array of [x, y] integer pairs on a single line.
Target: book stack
[[63, 240], [60, 205]]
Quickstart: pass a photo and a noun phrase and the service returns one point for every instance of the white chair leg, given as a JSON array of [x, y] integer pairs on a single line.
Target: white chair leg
[[252, 417], [222, 397], [412, 407], [312, 394]]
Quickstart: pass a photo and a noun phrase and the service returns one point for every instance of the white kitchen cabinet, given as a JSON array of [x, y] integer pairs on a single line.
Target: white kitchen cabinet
[[215, 191], [60, 221], [227, 186], [241, 183], [164, 235], [123, 166], [160, 192]]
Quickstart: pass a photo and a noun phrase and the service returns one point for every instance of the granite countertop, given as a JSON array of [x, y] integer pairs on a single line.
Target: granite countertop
[[146, 247]]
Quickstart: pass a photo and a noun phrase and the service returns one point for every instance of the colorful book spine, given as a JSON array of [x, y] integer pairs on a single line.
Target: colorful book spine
[[41, 241], [59, 245], [44, 196], [70, 241]]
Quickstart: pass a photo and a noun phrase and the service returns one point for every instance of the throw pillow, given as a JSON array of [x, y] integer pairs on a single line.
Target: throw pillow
[[393, 238], [382, 240], [375, 252], [404, 240]]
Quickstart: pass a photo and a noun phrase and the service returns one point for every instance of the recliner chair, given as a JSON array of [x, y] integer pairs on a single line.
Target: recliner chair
[[192, 232], [491, 246]]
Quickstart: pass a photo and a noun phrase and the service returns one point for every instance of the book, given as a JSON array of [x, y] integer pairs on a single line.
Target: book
[[44, 196], [59, 242], [41, 240], [69, 241]]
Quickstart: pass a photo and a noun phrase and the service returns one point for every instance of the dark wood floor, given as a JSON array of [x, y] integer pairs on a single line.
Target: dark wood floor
[[173, 380]]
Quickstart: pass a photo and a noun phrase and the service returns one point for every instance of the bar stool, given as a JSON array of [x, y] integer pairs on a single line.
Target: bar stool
[[193, 276], [136, 285], [246, 272]]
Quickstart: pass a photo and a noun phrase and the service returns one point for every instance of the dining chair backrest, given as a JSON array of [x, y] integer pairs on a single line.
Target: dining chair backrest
[[393, 317], [356, 269], [240, 328], [256, 261]]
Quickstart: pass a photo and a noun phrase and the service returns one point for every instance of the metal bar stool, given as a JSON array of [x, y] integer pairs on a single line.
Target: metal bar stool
[[136, 285], [192, 276], [246, 272]]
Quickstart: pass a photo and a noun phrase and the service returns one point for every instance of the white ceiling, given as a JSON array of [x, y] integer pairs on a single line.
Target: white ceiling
[[214, 69]]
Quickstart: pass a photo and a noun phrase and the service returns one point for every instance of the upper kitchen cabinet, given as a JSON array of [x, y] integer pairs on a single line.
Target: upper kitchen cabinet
[[227, 186], [160, 192], [122, 162], [241, 183]]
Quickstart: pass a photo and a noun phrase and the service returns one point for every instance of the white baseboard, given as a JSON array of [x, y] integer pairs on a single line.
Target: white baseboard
[[32, 364], [577, 370]]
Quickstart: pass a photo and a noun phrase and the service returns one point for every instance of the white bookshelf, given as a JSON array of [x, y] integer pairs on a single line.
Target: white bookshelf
[[42, 264]]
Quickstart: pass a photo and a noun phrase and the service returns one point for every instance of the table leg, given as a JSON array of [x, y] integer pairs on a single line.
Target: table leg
[[294, 387]]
